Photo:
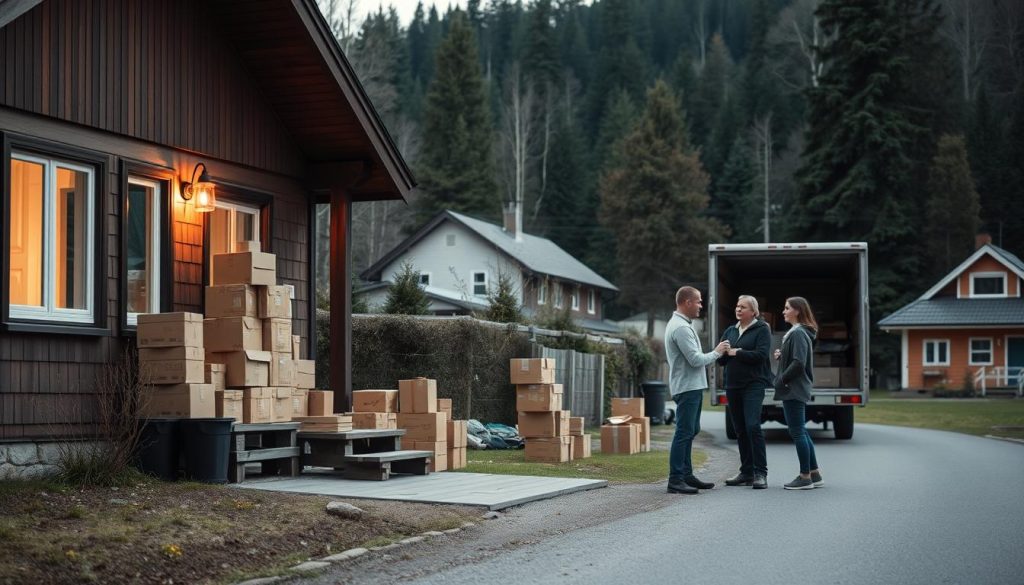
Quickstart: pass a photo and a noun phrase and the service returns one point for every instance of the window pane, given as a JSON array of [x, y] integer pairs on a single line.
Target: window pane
[[988, 286], [942, 352], [71, 242], [929, 352], [139, 233], [245, 227], [26, 271], [425, 279]]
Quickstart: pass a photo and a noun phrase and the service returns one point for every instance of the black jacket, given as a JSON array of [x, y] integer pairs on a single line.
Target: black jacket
[[750, 365]]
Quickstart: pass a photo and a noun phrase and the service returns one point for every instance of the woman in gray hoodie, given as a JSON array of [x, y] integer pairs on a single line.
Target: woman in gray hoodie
[[793, 387]]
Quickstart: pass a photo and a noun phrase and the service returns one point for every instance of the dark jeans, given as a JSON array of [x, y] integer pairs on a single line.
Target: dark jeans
[[745, 409], [688, 407], [796, 417]]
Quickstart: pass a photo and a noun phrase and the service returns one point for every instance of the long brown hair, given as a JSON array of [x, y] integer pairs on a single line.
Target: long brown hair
[[805, 316]]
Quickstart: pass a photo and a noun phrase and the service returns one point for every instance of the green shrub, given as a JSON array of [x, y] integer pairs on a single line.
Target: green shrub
[[503, 304]]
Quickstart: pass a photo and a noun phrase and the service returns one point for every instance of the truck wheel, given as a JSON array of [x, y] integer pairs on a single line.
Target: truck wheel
[[843, 422], [730, 431]]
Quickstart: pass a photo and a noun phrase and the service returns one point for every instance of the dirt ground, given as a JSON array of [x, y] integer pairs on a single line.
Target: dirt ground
[[156, 532]]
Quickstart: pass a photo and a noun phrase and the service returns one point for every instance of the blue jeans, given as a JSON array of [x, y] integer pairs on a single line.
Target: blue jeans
[[688, 407], [796, 417], [745, 410]]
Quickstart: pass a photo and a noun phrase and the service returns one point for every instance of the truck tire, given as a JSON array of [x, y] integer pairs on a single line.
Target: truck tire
[[730, 431], [842, 424]]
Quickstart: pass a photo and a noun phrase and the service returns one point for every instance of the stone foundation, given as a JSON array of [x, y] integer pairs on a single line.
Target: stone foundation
[[30, 460]]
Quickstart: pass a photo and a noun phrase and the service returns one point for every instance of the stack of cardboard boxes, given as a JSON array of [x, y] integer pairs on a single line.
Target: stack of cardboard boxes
[[425, 426], [321, 417], [171, 358], [542, 422], [375, 409], [628, 431], [634, 409]]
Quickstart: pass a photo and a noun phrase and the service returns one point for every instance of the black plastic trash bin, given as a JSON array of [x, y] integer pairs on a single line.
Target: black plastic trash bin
[[157, 451], [207, 445], [654, 392]]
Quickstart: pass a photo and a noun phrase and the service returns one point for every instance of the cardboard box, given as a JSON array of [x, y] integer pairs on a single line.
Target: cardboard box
[[230, 300], [274, 301], [173, 371], [233, 334], [181, 400], [576, 424], [300, 402], [544, 424], [169, 330], [532, 370], [277, 335], [644, 426], [258, 405], [538, 397], [435, 447], [375, 401], [296, 347], [848, 378], [457, 433], [282, 404], [628, 407], [335, 423], [445, 405], [214, 374], [229, 404], [423, 426], [245, 369], [622, 439], [418, 395], [305, 374], [438, 463], [581, 447], [826, 377], [374, 420], [572, 446], [162, 354], [550, 450], [321, 402], [456, 458], [282, 369], [245, 268], [249, 246]]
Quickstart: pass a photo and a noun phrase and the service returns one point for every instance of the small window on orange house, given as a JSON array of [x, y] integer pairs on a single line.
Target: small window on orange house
[[988, 284]]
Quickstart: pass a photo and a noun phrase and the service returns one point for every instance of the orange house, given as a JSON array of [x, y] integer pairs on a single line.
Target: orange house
[[968, 329]]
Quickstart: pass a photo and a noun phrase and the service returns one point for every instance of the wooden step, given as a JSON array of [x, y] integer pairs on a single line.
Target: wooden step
[[388, 456]]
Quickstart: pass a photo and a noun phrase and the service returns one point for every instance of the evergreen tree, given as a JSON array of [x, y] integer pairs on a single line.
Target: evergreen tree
[[502, 303], [684, 83], [952, 217], [541, 62], [653, 202], [559, 219], [456, 167], [1012, 228], [711, 92], [405, 295], [989, 159], [620, 64], [734, 202]]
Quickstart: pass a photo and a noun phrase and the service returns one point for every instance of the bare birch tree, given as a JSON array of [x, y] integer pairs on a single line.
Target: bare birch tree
[[762, 131], [797, 36], [517, 133], [341, 17], [967, 28]]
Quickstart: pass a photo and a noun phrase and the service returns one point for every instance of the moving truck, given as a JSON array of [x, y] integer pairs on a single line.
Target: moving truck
[[833, 277]]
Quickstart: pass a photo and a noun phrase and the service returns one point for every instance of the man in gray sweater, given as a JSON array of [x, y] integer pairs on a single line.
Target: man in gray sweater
[[687, 375]]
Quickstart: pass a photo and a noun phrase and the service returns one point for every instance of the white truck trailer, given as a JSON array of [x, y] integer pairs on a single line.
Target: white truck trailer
[[833, 277]]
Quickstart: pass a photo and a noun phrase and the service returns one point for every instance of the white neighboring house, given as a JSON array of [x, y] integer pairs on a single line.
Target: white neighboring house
[[460, 258]]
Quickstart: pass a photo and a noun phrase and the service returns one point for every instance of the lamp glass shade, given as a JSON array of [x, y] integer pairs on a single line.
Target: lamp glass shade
[[204, 196]]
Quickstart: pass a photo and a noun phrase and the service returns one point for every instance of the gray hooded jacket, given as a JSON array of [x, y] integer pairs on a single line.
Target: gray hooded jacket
[[796, 366]]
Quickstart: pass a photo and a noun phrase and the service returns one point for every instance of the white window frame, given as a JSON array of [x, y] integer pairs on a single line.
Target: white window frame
[[474, 283], [154, 246], [233, 220], [924, 352], [48, 311], [991, 351], [559, 295], [591, 301], [574, 298], [542, 292], [427, 276], [1000, 275]]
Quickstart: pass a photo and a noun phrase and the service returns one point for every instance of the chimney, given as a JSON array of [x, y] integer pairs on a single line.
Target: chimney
[[512, 218], [982, 239]]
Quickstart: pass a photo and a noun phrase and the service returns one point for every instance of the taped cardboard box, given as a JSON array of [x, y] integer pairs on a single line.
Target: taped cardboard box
[[335, 423], [435, 447], [180, 400], [274, 301], [544, 424], [423, 426], [418, 395], [374, 420], [230, 300], [628, 407], [375, 401], [245, 369], [169, 330], [547, 449], [214, 374], [282, 369], [457, 433], [644, 426], [300, 402], [538, 397], [621, 439], [456, 458], [445, 405], [438, 463], [162, 354], [245, 268], [581, 446], [173, 371], [282, 404], [249, 246], [572, 446], [233, 334], [277, 335], [229, 404], [258, 405], [576, 425], [305, 374], [321, 402], [532, 370]]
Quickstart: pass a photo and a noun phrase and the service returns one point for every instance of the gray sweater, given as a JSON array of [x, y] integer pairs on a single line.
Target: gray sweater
[[686, 361], [796, 366]]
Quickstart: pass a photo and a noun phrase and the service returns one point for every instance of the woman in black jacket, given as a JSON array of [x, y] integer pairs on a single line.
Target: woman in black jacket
[[747, 374]]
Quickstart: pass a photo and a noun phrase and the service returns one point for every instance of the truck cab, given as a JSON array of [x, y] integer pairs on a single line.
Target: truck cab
[[833, 277]]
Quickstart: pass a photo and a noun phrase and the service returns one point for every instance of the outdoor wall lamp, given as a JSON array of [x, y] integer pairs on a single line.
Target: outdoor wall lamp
[[203, 190]]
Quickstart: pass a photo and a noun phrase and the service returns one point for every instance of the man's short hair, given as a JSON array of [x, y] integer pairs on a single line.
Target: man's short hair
[[686, 293]]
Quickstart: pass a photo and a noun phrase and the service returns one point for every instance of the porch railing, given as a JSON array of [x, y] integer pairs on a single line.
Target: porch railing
[[999, 377]]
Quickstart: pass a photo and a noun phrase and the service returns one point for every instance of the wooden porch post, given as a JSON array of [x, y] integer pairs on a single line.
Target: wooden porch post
[[341, 299]]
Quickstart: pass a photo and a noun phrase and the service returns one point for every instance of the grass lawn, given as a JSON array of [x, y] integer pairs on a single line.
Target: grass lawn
[[640, 468], [971, 416]]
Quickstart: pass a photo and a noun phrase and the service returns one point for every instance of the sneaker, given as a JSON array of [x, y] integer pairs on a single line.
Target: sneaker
[[760, 482], [816, 479], [740, 479], [800, 483]]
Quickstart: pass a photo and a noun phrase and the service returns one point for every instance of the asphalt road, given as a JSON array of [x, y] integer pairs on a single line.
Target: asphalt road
[[900, 506]]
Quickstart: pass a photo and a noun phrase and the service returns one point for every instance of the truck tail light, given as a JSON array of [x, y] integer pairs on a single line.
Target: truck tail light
[[855, 399], [723, 400]]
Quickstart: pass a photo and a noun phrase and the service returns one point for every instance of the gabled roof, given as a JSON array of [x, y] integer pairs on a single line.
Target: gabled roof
[[536, 254], [953, 312], [433, 293], [1010, 261]]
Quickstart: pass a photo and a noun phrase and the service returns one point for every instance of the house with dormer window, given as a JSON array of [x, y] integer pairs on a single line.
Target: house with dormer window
[[968, 329]]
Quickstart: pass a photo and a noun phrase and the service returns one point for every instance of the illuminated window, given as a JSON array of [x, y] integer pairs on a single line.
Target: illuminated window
[[230, 225], [142, 247]]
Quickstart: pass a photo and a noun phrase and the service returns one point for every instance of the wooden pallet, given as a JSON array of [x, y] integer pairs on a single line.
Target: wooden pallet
[[273, 445]]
